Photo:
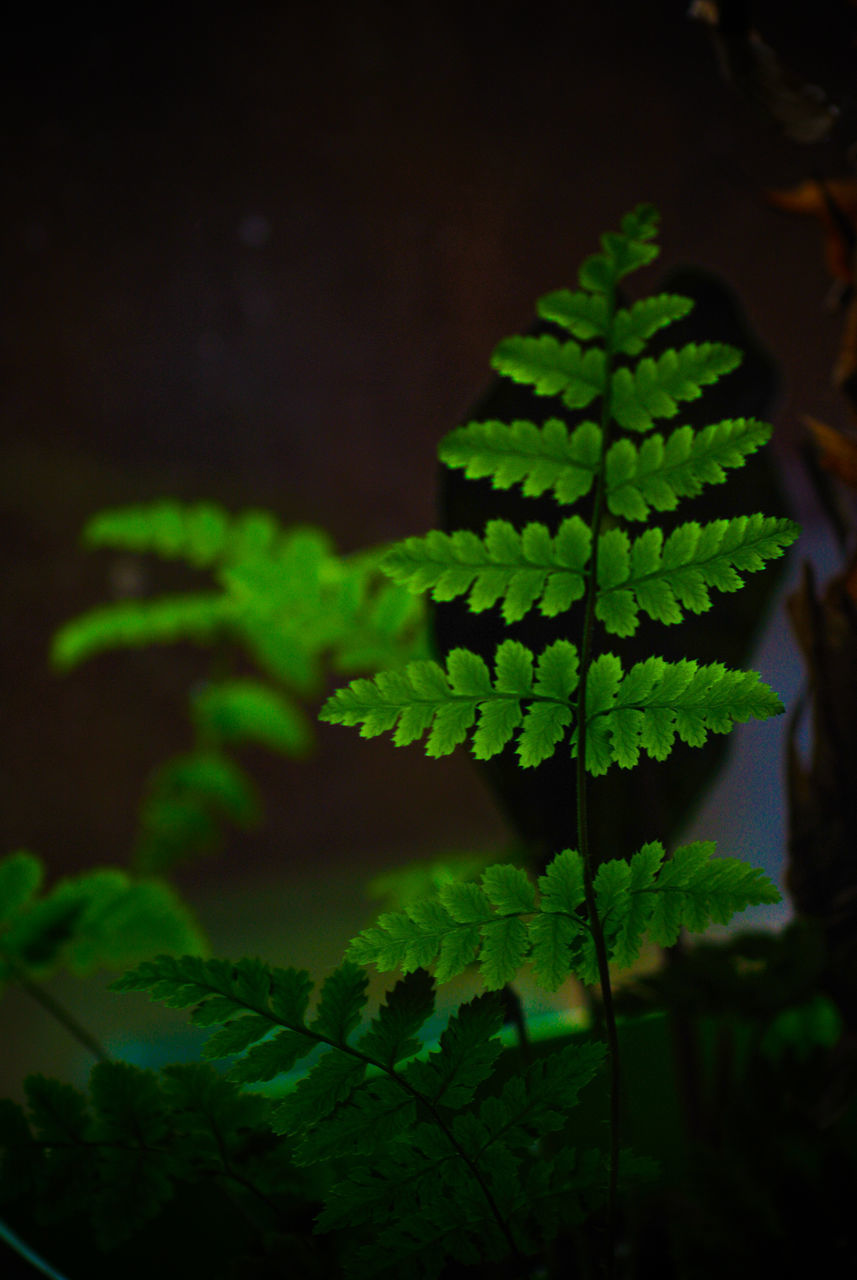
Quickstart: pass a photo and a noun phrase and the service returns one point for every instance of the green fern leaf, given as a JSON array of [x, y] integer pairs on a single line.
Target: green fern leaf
[[203, 533], [559, 934], [537, 1103], [519, 568], [585, 316], [188, 799], [659, 473], [100, 918], [131, 1127], [538, 458], [623, 904], [389, 1040], [134, 623], [623, 253], [633, 326], [695, 888], [530, 567], [649, 893], [423, 698], [654, 388], [646, 708], [63, 1165], [553, 368], [110, 1162], [331, 1082], [219, 988], [235, 711], [391, 1036], [447, 931], [425, 1180], [364, 1123], [340, 1006], [663, 578], [468, 1050], [59, 1112], [370, 1117], [198, 533]]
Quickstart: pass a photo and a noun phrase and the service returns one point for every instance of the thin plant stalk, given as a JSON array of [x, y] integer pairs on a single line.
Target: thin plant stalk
[[586, 657]]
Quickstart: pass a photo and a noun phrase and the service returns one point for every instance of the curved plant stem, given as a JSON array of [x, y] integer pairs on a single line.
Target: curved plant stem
[[586, 657], [58, 1011]]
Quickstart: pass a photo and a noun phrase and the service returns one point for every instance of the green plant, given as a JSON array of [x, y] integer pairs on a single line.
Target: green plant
[[591, 910], [287, 608], [416, 1158]]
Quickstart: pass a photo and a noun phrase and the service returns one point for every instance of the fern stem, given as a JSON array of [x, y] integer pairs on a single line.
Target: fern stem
[[57, 1011], [587, 654], [514, 1251]]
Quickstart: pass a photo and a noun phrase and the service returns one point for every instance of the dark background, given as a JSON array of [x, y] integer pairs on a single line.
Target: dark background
[[260, 254]]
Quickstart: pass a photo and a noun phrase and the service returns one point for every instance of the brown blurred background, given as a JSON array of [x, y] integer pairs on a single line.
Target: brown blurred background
[[260, 254]]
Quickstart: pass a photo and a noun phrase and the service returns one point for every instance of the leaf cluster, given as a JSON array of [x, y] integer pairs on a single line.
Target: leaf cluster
[[422, 1153], [428, 1161], [283, 594], [117, 1154], [102, 917], [538, 699], [285, 600]]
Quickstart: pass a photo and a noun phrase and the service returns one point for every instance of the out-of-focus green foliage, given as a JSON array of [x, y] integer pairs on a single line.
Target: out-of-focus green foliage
[[288, 611]]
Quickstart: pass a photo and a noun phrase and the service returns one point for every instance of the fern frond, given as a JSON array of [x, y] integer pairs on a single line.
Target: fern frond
[[656, 474], [420, 1190], [235, 711], [553, 368], [415, 1136], [662, 578], [519, 568], [649, 893], [130, 624], [203, 534], [643, 709], [461, 921], [654, 388], [21, 876], [538, 458], [99, 918], [659, 473], [285, 594], [188, 799], [633, 326], [261, 1015], [113, 1158], [261, 999], [655, 701]]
